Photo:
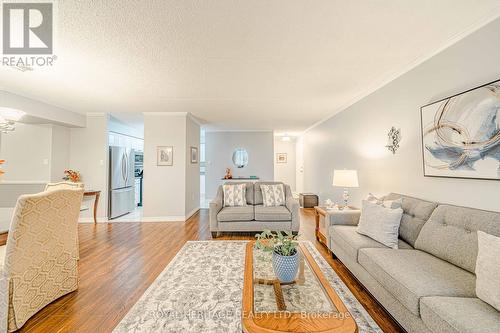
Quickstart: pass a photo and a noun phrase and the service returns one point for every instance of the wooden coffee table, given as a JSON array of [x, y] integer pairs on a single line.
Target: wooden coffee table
[[309, 304]]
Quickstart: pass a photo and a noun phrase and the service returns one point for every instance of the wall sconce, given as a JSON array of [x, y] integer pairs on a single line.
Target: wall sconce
[[393, 139]]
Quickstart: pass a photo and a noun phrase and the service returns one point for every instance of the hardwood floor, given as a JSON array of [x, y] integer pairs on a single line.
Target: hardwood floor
[[118, 261]]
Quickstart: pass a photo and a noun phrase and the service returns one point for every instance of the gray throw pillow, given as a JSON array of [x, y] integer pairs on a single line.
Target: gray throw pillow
[[380, 223]]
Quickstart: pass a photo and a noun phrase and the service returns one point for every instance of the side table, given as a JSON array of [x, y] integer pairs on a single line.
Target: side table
[[325, 217]]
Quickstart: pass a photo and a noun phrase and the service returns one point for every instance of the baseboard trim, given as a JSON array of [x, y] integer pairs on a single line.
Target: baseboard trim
[[170, 218], [91, 220], [179, 218]]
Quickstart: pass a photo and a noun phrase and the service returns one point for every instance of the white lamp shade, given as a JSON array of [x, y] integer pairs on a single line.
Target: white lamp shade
[[345, 178]]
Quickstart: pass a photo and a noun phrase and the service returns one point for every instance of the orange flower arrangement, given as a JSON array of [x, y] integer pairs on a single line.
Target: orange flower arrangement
[[1, 171], [72, 175]]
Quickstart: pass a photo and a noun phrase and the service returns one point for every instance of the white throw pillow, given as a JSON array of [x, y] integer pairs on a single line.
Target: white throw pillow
[[380, 223], [273, 195], [396, 203], [488, 269], [234, 195]]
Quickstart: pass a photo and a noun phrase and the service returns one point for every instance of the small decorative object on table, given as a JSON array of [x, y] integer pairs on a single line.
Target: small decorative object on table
[[229, 174], [72, 176], [329, 204], [285, 254]]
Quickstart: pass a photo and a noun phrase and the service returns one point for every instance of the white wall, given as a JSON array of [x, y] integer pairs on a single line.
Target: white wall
[[164, 186], [59, 152], [356, 138], [35, 154], [192, 169], [27, 152], [117, 126], [219, 152], [299, 165], [285, 172], [89, 155]]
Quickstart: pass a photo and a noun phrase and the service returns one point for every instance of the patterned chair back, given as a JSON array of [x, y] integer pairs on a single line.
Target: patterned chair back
[[62, 185], [42, 242]]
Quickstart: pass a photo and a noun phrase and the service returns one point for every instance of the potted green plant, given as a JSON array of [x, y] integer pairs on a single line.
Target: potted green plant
[[285, 255]]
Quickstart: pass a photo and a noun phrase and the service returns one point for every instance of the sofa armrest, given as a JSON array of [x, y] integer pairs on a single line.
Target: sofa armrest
[[293, 206], [344, 217], [215, 207]]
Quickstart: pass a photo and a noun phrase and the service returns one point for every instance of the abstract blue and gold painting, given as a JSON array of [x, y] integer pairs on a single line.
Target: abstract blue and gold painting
[[461, 134]]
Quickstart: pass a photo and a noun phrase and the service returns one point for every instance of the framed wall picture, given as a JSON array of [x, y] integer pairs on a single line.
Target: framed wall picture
[[194, 155], [281, 158], [461, 136], [165, 155]]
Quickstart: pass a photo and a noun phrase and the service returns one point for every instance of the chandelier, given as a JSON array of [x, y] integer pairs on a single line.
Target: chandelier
[[8, 118]]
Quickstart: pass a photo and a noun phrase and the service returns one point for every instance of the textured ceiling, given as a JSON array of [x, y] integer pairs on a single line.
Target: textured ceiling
[[258, 64]]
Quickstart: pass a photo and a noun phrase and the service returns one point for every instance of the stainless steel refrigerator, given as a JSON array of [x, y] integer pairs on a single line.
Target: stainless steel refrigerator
[[121, 181]]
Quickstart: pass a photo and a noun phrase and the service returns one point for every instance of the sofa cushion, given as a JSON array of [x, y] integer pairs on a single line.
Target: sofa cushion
[[258, 192], [278, 213], [351, 241], [451, 234], [415, 213], [409, 275], [227, 214], [459, 315]]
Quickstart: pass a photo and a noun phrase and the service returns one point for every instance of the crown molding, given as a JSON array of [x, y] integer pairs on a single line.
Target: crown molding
[[236, 131], [165, 114], [96, 114], [194, 119], [386, 79]]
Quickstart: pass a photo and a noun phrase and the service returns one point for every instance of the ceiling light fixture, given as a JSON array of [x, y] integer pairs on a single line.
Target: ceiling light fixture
[[285, 138], [8, 117]]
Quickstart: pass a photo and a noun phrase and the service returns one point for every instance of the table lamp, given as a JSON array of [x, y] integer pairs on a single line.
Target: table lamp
[[345, 179]]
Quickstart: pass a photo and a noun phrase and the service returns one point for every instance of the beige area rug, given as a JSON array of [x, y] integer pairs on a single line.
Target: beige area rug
[[201, 291]]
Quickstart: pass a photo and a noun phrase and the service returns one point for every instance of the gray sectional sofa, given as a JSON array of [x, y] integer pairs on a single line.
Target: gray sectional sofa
[[254, 216], [428, 284]]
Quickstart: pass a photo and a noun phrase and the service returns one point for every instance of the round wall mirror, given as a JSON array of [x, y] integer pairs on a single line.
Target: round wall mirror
[[240, 158]]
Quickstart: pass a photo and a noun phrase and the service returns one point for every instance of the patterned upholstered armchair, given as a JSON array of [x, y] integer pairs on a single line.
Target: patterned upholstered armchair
[[40, 262]]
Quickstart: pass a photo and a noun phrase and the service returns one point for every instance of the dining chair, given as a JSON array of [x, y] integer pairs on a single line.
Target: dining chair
[[40, 261], [62, 185]]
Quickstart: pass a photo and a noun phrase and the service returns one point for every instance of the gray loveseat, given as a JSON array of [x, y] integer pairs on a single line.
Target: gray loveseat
[[428, 284], [254, 216]]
